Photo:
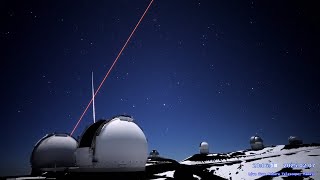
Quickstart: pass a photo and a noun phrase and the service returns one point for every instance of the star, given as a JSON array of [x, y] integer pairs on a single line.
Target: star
[[68, 92]]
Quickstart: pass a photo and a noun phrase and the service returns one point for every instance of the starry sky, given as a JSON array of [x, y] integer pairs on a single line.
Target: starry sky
[[195, 70]]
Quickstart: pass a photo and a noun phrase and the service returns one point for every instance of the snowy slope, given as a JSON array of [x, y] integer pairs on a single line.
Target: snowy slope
[[251, 164], [267, 163]]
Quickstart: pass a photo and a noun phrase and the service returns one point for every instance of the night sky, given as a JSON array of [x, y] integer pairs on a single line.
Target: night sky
[[195, 70]]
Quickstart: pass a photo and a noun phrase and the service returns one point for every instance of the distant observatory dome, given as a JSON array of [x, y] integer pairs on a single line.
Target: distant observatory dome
[[53, 151], [204, 148], [293, 140], [154, 153], [115, 145], [256, 143]]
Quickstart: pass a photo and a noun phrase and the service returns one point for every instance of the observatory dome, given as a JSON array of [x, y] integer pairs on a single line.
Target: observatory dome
[[154, 153], [204, 148], [256, 143], [52, 151], [293, 140], [115, 145]]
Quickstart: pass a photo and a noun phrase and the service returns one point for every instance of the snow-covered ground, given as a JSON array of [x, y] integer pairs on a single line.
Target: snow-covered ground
[[268, 161], [170, 174], [276, 162], [166, 174]]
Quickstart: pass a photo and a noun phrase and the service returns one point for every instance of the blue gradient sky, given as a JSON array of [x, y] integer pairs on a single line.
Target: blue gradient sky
[[195, 70]]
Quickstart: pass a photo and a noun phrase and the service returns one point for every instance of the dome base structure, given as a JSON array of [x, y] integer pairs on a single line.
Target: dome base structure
[[54, 152], [117, 145], [257, 146]]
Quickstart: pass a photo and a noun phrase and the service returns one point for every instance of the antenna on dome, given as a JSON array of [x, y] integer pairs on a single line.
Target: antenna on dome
[[93, 108]]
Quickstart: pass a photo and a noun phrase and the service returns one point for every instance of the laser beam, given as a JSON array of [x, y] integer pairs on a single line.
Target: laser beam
[[115, 61]]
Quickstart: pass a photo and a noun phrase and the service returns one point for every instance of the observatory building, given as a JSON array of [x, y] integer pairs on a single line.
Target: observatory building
[[204, 148], [256, 143], [154, 153], [54, 152], [294, 140], [115, 145]]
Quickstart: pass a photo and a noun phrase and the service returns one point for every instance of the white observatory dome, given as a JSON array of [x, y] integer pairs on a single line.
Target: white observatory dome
[[117, 145], [204, 148], [53, 151], [256, 143]]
